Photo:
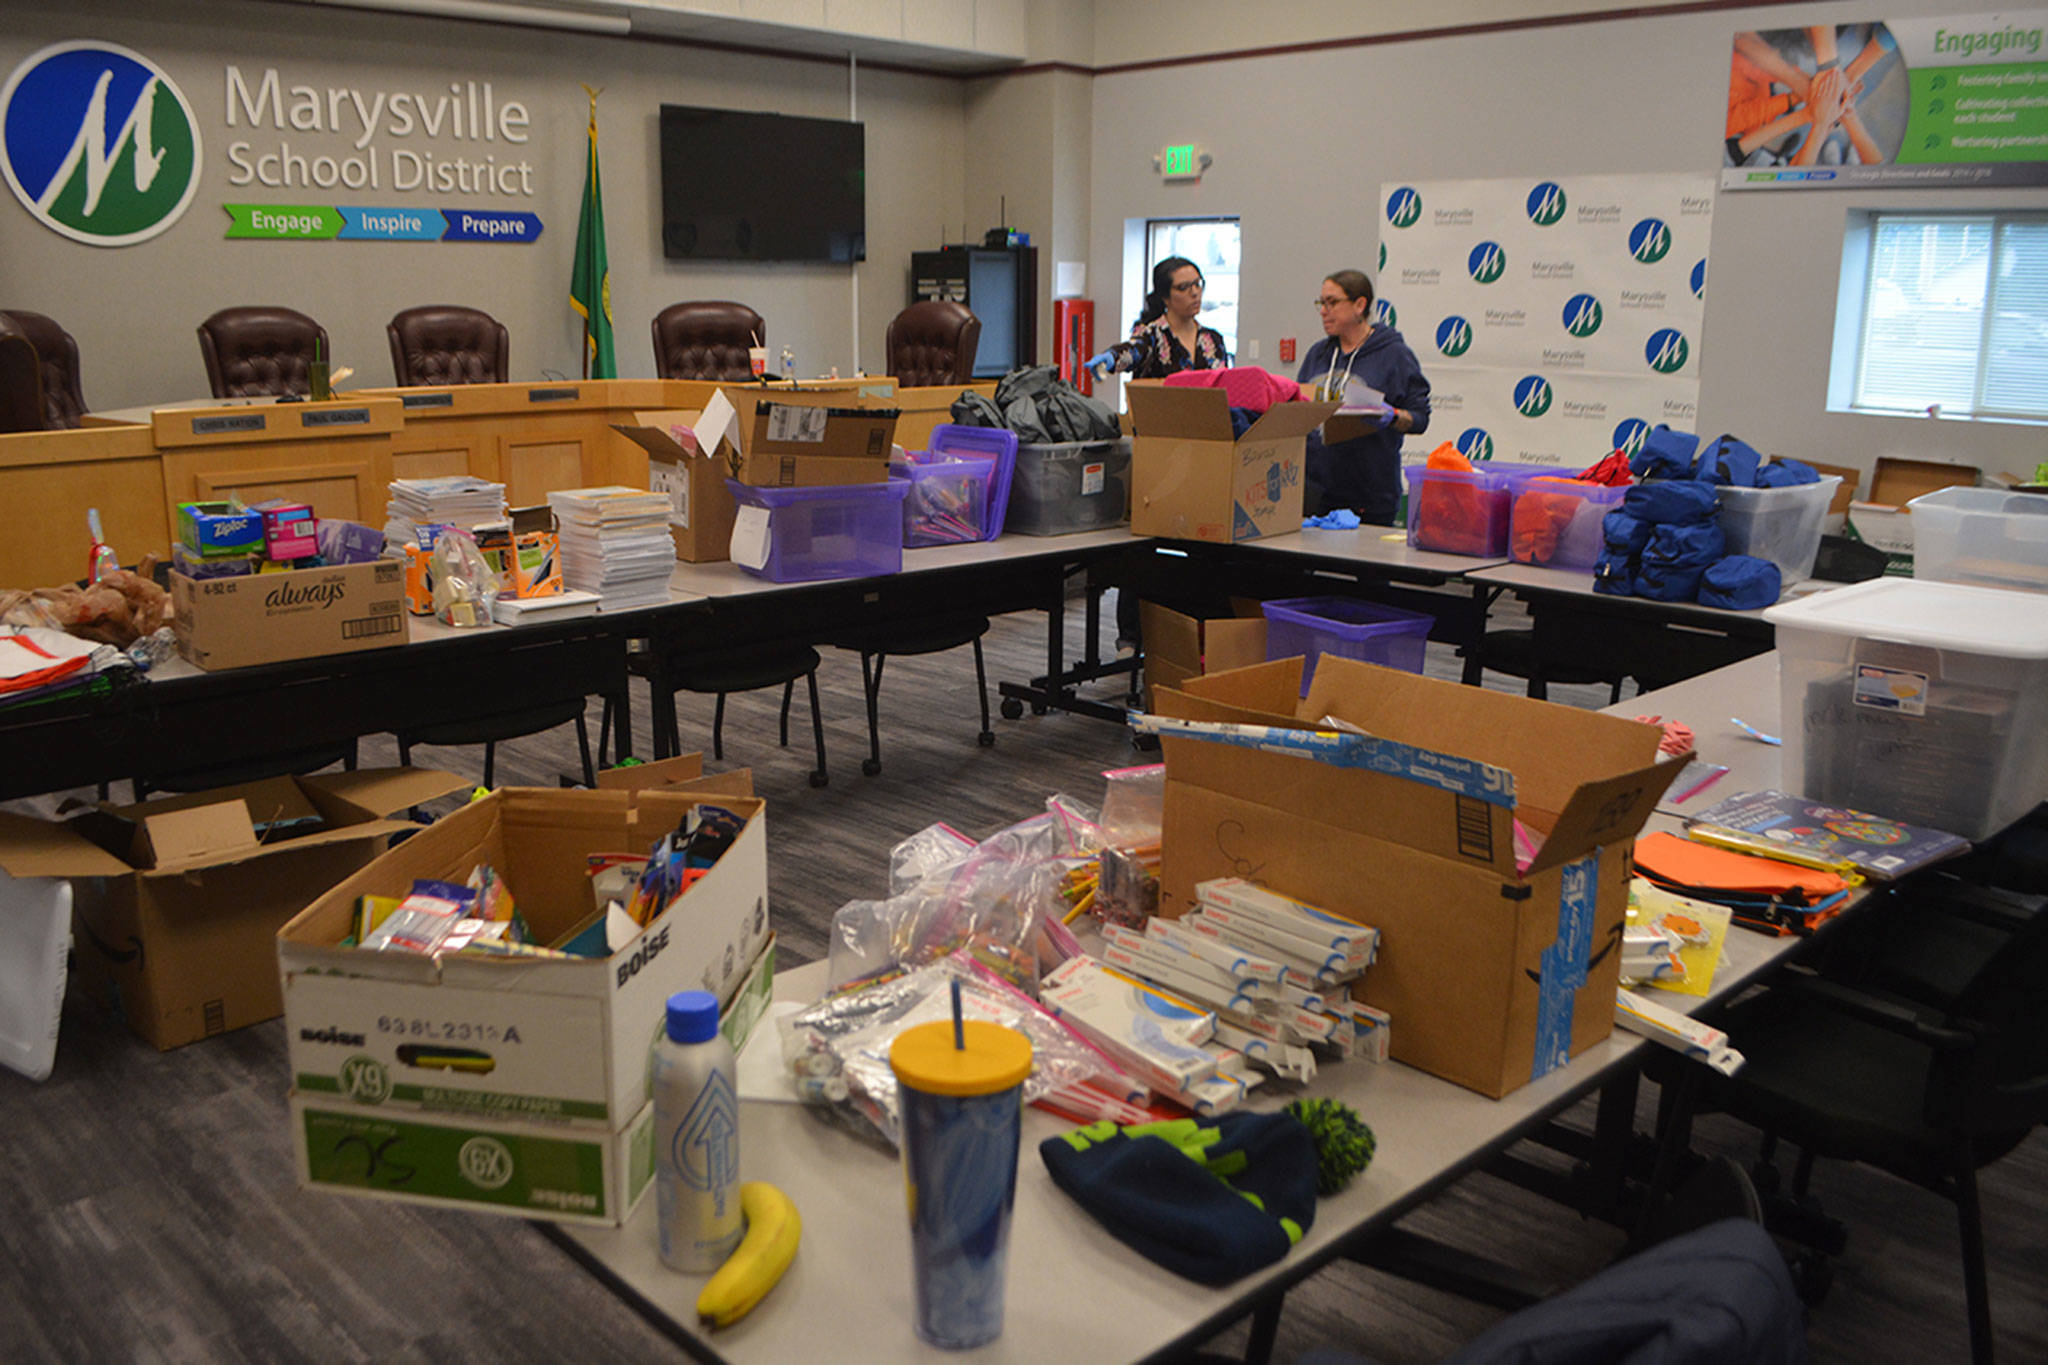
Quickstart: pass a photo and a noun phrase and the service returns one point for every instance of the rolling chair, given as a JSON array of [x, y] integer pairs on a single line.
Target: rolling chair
[[933, 343], [57, 352], [296, 762], [445, 343], [21, 382], [706, 339], [1513, 652], [876, 644], [260, 351], [748, 668], [490, 730]]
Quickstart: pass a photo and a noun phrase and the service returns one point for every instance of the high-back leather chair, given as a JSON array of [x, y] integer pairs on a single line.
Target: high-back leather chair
[[63, 401], [933, 343], [445, 343], [706, 339], [260, 350], [21, 381]]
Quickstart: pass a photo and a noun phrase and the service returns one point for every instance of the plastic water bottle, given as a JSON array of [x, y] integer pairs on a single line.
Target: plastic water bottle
[[696, 1124], [789, 364]]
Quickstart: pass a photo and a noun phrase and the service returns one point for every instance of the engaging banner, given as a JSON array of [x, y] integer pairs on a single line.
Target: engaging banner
[[1959, 100], [1557, 320]]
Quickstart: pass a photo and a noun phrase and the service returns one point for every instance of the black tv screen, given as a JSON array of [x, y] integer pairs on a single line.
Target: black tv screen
[[761, 187]]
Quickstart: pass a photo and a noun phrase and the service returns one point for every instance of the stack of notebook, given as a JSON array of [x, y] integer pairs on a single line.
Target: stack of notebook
[[456, 500], [615, 543]]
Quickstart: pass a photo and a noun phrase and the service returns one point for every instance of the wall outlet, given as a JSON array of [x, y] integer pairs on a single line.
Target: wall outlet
[[1251, 349]]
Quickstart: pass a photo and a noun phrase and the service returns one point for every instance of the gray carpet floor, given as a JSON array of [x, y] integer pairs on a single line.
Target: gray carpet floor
[[148, 1209]]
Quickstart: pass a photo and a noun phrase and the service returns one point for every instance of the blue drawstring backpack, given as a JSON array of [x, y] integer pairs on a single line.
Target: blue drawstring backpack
[[1784, 473], [1666, 454], [1676, 558], [1727, 460], [1740, 583], [1671, 500]]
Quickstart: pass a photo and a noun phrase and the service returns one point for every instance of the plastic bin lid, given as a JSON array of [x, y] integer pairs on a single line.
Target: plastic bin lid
[[2006, 625], [995, 1058]]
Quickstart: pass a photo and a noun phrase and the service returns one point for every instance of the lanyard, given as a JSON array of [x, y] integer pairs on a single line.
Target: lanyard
[[1333, 386]]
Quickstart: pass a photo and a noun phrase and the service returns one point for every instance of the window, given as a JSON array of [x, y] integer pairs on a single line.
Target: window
[[1954, 313], [1212, 244]]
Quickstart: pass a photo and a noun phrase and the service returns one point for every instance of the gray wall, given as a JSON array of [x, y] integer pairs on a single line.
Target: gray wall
[[1303, 142], [133, 309]]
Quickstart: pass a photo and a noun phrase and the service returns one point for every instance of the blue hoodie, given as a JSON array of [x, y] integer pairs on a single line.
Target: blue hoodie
[[1364, 473]]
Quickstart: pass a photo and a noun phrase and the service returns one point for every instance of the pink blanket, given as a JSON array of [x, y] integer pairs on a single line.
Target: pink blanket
[[1244, 386]]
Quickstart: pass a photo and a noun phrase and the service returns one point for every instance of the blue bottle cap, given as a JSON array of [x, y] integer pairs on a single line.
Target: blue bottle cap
[[692, 1017]]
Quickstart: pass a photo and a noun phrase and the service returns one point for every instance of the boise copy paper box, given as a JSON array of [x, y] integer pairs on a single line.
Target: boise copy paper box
[[1192, 479], [690, 475], [268, 618], [1496, 974], [564, 1041], [176, 902]]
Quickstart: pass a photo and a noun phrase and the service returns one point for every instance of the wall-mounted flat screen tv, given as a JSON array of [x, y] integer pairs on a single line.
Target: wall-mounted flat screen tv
[[761, 187]]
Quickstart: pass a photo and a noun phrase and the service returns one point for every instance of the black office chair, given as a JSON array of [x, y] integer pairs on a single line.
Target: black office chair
[[294, 763], [1928, 1094], [490, 730], [745, 669], [1514, 652], [876, 644]]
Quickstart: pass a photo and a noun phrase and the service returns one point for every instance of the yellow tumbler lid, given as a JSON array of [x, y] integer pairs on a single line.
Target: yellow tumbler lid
[[995, 1058]]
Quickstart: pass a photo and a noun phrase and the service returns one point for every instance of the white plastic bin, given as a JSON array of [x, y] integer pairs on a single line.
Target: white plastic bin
[[35, 944], [1925, 702], [1992, 537], [1782, 525]]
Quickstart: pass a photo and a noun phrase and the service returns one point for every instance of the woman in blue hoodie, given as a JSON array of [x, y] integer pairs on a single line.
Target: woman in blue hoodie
[[1364, 472]]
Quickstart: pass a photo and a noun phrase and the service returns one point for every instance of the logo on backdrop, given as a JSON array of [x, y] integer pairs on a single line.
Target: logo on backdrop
[[1383, 313], [1582, 315], [1454, 336], [98, 143], [1629, 436], [1404, 206], [1666, 350], [1546, 203], [1649, 241], [1487, 262], [1532, 395], [1699, 278], [1474, 444], [1383, 257]]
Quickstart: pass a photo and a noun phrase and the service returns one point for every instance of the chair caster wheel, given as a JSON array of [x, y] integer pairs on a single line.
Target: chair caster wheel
[[870, 766], [1012, 708], [986, 739], [820, 779]]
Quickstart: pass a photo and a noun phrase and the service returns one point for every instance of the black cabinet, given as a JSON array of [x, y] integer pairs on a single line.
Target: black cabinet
[[999, 285]]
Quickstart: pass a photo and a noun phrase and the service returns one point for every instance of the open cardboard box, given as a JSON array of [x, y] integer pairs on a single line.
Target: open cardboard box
[[1192, 479], [177, 902], [1179, 646], [1882, 520], [811, 440], [1494, 976], [701, 508]]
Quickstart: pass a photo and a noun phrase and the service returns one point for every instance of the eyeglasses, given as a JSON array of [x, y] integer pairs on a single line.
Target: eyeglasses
[[1188, 287], [1328, 303]]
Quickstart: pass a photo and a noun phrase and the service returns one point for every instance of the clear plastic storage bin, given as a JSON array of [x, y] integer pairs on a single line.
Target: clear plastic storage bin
[[1465, 512], [946, 501], [795, 535], [1988, 536], [952, 441], [1925, 702], [1577, 543], [1074, 486], [1314, 626], [1782, 525]]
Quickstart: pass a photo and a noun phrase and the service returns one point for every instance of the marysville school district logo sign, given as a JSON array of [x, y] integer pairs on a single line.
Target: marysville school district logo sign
[[98, 143]]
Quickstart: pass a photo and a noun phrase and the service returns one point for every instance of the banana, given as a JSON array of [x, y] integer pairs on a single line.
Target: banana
[[758, 1261]]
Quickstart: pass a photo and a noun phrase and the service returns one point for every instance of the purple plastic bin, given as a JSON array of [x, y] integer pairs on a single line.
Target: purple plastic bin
[[955, 441], [852, 530], [1492, 486], [1580, 540], [1314, 626], [946, 502]]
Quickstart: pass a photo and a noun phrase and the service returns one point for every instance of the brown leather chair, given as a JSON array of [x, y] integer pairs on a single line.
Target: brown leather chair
[[445, 343], [21, 381], [706, 339], [63, 402], [933, 343], [257, 351]]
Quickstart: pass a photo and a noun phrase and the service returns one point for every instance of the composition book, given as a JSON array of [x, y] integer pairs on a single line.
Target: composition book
[[1772, 822]]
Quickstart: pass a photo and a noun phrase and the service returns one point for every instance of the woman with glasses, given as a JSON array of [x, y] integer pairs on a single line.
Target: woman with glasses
[[1167, 338], [1362, 472]]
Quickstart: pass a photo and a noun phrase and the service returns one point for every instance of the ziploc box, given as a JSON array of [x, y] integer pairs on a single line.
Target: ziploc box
[[177, 901], [220, 528], [1497, 975], [1192, 479]]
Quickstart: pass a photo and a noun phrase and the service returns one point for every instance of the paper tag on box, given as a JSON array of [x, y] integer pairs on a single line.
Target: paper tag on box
[[672, 482], [1891, 689], [789, 422], [750, 538], [1091, 478]]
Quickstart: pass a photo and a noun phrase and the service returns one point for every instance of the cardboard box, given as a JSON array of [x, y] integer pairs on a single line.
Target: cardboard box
[[925, 409], [235, 622], [1495, 975], [1179, 646], [701, 508], [809, 444], [682, 770], [1882, 520], [177, 905], [563, 1041], [1192, 480]]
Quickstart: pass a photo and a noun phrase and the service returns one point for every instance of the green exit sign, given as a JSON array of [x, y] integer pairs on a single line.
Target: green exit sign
[[1184, 161]]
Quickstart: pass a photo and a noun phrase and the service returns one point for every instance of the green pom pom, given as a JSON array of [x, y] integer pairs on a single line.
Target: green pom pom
[[1344, 1143]]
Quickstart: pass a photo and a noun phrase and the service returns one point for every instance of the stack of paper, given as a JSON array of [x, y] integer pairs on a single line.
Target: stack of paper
[[615, 543], [456, 500]]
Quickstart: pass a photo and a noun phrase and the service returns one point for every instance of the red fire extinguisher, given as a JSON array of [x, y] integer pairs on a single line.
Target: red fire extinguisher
[[1073, 322]]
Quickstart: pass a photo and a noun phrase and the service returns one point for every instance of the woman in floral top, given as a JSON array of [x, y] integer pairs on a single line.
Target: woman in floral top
[[1166, 339]]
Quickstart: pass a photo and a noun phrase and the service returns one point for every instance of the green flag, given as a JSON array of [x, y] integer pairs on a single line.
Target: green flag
[[590, 284]]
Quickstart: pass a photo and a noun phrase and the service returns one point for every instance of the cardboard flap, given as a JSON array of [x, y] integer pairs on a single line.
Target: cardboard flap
[[1283, 420], [1236, 642], [48, 848], [660, 773], [651, 432], [380, 791], [719, 786], [1190, 414], [1896, 482], [1262, 694], [1170, 635], [223, 832], [1604, 811]]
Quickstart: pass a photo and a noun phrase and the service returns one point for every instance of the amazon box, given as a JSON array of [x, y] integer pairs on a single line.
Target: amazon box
[[1193, 479], [176, 903], [1496, 968], [802, 441]]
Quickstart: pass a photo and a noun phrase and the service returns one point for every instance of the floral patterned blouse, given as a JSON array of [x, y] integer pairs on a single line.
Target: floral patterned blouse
[[1154, 352]]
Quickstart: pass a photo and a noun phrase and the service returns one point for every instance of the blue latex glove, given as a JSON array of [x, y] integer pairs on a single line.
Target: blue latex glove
[[1386, 419], [1341, 519], [1101, 363]]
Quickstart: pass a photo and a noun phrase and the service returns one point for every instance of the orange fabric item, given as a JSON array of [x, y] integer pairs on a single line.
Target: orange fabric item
[[1448, 456], [1539, 519], [1453, 515], [1681, 860]]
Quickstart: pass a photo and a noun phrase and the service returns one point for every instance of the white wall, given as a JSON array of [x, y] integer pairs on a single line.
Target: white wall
[[133, 309], [1302, 144]]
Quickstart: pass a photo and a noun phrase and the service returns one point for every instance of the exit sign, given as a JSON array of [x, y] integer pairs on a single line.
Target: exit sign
[[1183, 161]]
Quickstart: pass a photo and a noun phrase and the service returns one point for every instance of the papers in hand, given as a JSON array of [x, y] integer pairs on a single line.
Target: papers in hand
[[1360, 399]]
